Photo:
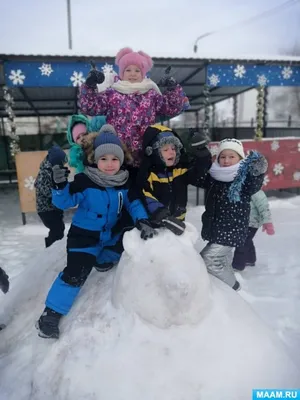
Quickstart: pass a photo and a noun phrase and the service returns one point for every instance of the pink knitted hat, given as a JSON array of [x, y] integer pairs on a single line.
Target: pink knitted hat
[[127, 57], [78, 130]]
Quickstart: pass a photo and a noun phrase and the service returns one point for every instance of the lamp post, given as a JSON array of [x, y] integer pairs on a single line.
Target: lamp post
[[200, 38], [69, 24]]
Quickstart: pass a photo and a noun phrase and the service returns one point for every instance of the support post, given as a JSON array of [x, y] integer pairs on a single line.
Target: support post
[[23, 218], [69, 24], [235, 106]]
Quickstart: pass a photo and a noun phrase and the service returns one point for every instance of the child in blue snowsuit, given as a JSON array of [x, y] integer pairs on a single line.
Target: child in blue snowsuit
[[100, 192]]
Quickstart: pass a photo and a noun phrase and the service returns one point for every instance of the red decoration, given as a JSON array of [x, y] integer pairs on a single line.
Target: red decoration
[[283, 157]]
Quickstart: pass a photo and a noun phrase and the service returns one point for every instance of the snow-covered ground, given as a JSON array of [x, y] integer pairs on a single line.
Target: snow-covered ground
[[101, 335]]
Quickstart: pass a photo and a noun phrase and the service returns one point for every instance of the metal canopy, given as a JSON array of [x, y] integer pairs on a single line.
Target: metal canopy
[[61, 101]]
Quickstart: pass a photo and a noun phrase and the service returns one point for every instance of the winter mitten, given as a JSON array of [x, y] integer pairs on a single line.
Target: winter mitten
[[94, 77], [198, 144], [147, 232], [259, 165], [169, 83], [4, 282], [59, 176], [174, 225], [268, 228], [160, 214]]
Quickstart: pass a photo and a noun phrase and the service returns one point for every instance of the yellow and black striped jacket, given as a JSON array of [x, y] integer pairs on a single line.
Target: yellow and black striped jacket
[[168, 188]]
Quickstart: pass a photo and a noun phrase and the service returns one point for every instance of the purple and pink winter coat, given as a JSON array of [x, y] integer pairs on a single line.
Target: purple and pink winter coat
[[131, 114]]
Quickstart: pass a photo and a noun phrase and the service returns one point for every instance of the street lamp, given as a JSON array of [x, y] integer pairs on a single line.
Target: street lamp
[[199, 38]]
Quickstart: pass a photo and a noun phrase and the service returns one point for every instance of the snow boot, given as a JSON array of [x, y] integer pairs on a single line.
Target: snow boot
[[250, 264], [49, 240], [236, 286], [47, 324], [104, 267], [4, 282], [235, 269]]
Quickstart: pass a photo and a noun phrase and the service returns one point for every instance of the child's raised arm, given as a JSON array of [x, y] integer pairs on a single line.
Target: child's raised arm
[[64, 194], [91, 102]]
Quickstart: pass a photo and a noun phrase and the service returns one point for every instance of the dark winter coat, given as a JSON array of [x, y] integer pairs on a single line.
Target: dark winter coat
[[43, 187], [167, 187], [98, 211], [225, 222]]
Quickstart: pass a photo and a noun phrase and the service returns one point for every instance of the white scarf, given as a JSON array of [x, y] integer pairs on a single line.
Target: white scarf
[[143, 87], [224, 174]]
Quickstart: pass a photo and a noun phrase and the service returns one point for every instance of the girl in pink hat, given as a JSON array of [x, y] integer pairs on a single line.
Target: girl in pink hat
[[134, 101]]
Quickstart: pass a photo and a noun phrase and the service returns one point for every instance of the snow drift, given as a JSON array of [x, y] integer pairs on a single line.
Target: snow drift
[[156, 327]]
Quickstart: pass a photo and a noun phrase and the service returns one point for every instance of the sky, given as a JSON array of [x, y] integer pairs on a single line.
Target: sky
[[163, 28]]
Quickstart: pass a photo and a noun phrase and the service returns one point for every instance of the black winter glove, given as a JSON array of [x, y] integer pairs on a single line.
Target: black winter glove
[[174, 225], [94, 76], [259, 165], [4, 282], [199, 142], [168, 81], [147, 232], [59, 176], [160, 214]]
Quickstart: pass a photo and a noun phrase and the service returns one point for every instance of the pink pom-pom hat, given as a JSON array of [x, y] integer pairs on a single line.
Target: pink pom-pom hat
[[127, 57]]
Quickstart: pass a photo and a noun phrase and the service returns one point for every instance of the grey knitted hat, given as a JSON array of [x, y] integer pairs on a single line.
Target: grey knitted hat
[[107, 142]]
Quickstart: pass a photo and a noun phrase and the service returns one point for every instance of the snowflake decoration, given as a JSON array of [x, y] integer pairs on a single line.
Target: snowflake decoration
[[266, 180], [77, 78], [239, 71], [278, 169], [29, 183], [214, 80], [299, 146], [214, 150], [275, 145], [262, 80], [17, 77], [46, 69], [287, 72], [108, 69], [296, 176]]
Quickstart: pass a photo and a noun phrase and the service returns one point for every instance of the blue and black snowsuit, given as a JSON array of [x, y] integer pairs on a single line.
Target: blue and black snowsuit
[[90, 235]]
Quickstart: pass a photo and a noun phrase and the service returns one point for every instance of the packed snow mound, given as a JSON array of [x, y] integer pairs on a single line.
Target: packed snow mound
[[108, 352], [158, 284]]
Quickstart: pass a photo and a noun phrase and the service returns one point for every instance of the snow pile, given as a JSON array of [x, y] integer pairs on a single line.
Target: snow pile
[[179, 291], [173, 333]]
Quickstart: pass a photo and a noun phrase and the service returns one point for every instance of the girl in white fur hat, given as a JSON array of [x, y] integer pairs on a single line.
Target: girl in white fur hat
[[232, 180]]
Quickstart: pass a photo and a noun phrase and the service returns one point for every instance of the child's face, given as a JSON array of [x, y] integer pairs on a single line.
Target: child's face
[[227, 158], [133, 74], [109, 164], [168, 152], [80, 137]]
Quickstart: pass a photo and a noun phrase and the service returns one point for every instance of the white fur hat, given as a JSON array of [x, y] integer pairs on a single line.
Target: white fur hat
[[231, 144]]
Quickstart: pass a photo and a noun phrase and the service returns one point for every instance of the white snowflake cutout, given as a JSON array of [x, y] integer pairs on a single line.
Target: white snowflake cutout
[[29, 183], [108, 69], [266, 180], [214, 80], [296, 176], [278, 169], [214, 150], [46, 69], [17, 77], [239, 71], [275, 145], [287, 72], [262, 80], [77, 78]]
